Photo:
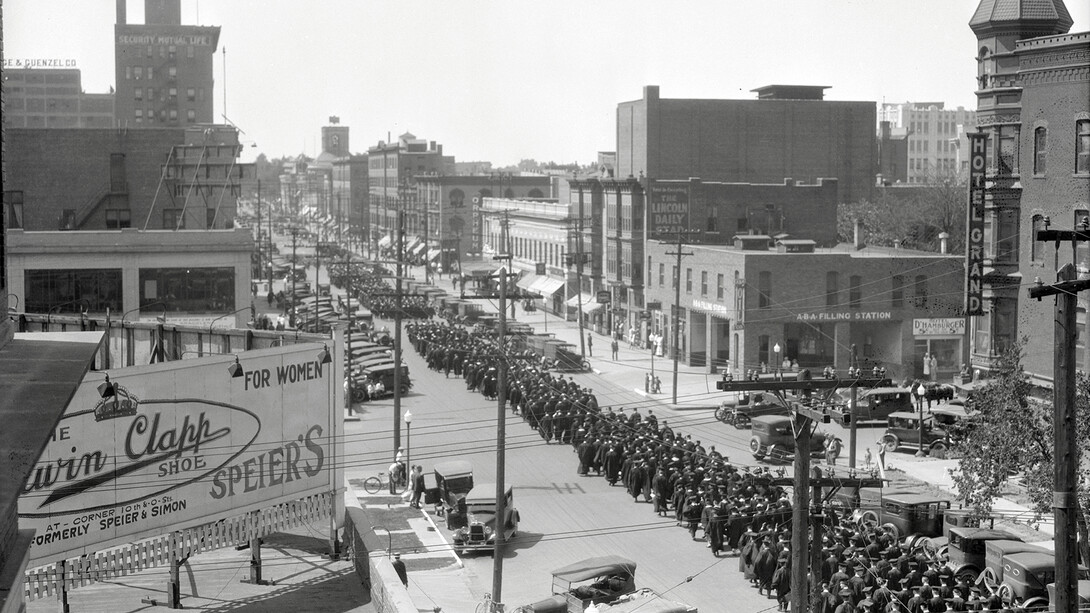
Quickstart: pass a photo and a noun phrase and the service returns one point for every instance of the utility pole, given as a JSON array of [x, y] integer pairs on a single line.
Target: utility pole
[[501, 435], [676, 319], [427, 262], [1065, 448], [260, 262], [807, 414], [400, 259], [505, 238], [294, 232]]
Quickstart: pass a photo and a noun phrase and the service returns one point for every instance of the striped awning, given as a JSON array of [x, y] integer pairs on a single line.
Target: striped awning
[[527, 282], [589, 303], [547, 286]]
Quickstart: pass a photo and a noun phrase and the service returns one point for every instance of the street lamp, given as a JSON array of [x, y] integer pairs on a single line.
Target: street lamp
[[252, 311], [776, 352], [82, 301], [408, 447]]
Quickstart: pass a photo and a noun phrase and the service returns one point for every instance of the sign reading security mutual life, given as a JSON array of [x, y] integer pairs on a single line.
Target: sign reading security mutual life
[[181, 444]]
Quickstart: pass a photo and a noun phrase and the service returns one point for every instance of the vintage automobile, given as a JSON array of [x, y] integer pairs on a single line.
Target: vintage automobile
[[479, 533], [453, 480], [740, 411], [914, 517], [593, 581], [1084, 594], [384, 373], [1025, 578], [966, 549], [773, 438], [994, 554], [874, 405], [903, 430]]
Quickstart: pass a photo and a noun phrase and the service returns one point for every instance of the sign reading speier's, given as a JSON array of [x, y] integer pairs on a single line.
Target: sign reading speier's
[[182, 444]]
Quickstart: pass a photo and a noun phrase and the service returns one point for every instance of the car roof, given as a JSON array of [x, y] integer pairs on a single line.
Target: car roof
[[454, 468], [595, 567], [485, 492], [771, 419], [912, 497], [984, 534], [908, 415], [886, 390]]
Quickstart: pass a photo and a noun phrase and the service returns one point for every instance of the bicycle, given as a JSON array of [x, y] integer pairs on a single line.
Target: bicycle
[[486, 605], [380, 482]]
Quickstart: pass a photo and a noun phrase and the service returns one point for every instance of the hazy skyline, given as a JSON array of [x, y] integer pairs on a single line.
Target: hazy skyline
[[502, 81]]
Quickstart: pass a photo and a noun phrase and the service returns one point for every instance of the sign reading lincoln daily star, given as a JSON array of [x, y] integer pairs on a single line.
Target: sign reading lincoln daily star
[[667, 209], [974, 240], [181, 444]]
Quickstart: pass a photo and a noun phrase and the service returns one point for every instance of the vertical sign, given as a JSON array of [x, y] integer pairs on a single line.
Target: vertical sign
[[668, 210], [974, 241]]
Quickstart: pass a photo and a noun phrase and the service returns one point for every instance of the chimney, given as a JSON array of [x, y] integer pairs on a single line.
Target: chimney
[[121, 13], [944, 238], [858, 239]]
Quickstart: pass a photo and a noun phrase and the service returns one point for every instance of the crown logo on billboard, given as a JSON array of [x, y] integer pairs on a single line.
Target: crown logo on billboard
[[116, 401]]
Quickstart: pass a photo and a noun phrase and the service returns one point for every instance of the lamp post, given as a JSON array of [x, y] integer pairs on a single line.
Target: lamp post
[[408, 447], [776, 352], [125, 345], [53, 308], [236, 312]]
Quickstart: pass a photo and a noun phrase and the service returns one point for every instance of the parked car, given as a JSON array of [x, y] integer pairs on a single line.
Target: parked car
[[743, 409], [479, 533], [914, 517], [903, 430], [875, 405], [1024, 577], [453, 480], [592, 581], [384, 373], [645, 600], [773, 438], [967, 547]]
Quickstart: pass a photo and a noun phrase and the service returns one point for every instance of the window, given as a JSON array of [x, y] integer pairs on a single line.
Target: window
[[151, 94], [920, 288], [832, 289], [897, 297], [189, 51], [1040, 150], [95, 289], [139, 115], [172, 51], [713, 220], [1082, 248], [138, 93], [138, 73], [191, 94], [188, 289], [13, 209], [662, 274], [117, 219], [173, 91], [128, 72], [719, 286], [1036, 247], [855, 291], [151, 51], [191, 117], [703, 283], [1006, 247], [151, 73], [674, 280], [172, 73], [174, 114], [688, 280], [1005, 150], [764, 290], [210, 218], [1082, 146], [1080, 338]]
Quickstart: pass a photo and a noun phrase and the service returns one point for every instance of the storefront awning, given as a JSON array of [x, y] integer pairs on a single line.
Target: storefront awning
[[527, 282], [589, 303], [418, 249], [384, 241], [547, 286], [434, 255]]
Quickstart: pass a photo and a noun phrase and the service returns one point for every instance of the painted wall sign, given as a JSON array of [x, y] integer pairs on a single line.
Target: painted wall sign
[[974, 227], [667, 210], [846, 316], [942, 326], [181, 444], [711, 307]]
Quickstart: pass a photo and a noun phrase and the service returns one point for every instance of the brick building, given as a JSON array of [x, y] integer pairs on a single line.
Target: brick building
[[93, 179], [739, 302], [789, 131], [53, 98], [391, 179], [163, 69], [1032, 103]]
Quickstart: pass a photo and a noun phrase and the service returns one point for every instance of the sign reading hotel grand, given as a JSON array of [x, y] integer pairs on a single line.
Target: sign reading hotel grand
[[182, 444], [667, 210], [974, 240]]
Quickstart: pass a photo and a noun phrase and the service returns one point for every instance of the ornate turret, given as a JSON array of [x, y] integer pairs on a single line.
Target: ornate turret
[[1031, 18]]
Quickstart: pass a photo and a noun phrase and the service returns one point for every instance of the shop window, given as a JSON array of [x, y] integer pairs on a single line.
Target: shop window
[[897, 296], [1040, 150], [1082, 146], [855, 291], [764, 290], [832, 289], [93, 289], [188, 289]]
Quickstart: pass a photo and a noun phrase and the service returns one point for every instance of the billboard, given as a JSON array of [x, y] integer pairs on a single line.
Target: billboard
[[974, 227], [183, 443], [667, 210]]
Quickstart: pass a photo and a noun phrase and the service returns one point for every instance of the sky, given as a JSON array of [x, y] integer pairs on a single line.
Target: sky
[[501, 81]]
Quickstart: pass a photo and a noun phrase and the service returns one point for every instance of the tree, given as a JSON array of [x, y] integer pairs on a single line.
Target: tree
[[1010, 432]]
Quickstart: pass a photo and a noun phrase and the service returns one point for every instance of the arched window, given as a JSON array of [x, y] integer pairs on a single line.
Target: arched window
[[457, 198], [535, 193], [1040, 150]]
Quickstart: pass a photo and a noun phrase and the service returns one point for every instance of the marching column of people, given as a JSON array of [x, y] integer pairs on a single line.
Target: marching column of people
[[735, 509]]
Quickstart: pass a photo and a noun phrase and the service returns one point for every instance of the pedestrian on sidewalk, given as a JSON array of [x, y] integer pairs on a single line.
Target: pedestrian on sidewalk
[[614, 346], [590, 345], [417, 486], [399, 568]]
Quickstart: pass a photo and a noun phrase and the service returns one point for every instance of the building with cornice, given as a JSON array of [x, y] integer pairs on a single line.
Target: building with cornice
[[1033, 80]]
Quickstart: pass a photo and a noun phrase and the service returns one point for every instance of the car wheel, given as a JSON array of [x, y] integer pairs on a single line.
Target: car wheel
[[404, 389], [938, 450], [741, 421], [1006, 593], [723, 414], [967, 574], [890, 443], [869, 518], [756, 448]]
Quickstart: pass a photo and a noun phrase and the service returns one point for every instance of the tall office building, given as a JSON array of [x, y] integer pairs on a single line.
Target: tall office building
[[934, 135], [163, 68], [53, 98]]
